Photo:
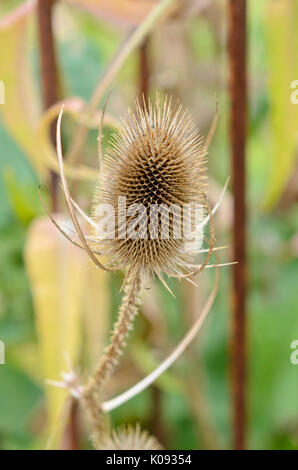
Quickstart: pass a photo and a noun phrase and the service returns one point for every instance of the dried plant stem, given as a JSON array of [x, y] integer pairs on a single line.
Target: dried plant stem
[[69, 200], [135, 38], [127, 313], [108, 362], [238, 90]]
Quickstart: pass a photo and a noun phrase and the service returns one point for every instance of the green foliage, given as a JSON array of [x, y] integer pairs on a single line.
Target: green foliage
[[279, 21], [19, 397]]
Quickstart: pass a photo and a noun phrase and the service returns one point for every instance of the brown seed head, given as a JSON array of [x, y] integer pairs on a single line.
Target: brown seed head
[[156, 159]]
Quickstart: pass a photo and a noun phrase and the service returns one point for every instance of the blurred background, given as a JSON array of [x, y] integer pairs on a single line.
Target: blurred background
[[51, 298]]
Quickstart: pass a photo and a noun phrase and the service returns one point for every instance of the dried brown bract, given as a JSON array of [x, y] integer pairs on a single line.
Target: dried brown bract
[[129, 438]]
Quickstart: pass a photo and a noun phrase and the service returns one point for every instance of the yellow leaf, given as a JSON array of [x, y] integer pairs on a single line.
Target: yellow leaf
[[25, 356], [71, 302], [96, 313], [282, 44], [20, 110], [56, 271]]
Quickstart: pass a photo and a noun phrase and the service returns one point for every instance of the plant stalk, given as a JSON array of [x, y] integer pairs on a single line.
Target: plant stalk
[[109, 361]]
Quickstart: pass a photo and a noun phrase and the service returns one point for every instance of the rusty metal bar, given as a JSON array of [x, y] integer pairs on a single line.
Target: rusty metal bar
[[238, 95]]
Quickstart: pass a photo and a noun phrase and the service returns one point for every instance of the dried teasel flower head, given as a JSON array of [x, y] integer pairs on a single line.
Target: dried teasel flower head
[[129, 438], [154, 168]]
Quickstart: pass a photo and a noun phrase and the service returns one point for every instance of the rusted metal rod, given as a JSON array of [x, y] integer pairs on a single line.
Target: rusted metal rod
[[238, 95], [48, 69]]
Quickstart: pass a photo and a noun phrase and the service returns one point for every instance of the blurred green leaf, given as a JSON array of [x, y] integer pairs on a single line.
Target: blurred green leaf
[[23, 197], [146, 362], [273, 326], [16, 311], [19, 397]]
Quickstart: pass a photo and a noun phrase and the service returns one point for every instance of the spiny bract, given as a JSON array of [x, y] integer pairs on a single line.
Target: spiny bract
[[129, 438], [156, 159]]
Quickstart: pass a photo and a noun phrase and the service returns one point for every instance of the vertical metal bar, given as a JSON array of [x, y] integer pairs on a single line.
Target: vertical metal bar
[[238, 95], [48, 66]]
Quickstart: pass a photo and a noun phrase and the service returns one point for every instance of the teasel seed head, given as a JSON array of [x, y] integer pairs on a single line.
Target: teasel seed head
[[129, 438], [158, 158]]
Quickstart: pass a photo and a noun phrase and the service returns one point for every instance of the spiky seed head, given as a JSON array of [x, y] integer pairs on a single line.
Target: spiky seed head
[[129, 438], [158, 158]]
